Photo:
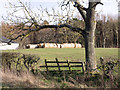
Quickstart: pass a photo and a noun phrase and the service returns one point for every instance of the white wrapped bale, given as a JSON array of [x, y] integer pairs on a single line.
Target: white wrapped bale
[[77, 45]]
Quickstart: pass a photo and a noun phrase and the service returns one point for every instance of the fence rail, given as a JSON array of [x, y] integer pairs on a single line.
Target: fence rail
[[69, 64]]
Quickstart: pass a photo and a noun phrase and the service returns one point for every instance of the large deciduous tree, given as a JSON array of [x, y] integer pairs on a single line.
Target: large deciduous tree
[[88, 15]]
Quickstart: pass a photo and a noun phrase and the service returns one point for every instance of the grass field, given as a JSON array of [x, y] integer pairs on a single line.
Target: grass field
[[68, 53]]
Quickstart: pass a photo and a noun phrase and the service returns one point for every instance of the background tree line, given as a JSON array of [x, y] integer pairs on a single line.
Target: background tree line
[[106, 33]]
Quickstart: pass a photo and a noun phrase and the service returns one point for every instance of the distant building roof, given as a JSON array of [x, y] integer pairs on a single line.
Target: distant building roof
[[4, 39]]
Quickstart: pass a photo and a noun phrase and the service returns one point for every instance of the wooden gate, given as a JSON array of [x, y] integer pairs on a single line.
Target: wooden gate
[[68, 65]]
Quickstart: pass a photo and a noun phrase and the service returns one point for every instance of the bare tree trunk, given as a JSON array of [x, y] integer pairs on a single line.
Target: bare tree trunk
[[90, 38], [23, 43], [90, 51], [117, 41], [104, 42]]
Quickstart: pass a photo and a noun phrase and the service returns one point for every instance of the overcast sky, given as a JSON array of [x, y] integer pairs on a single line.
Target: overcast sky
[[110, 7]]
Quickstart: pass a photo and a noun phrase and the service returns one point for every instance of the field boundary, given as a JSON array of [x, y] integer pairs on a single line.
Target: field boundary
[[69, 65]]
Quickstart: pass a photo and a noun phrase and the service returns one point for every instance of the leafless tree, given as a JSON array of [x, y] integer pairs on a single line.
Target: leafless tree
[[30, 24]]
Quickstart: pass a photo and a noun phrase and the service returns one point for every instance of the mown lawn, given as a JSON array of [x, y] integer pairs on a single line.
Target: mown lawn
[[68, 53]]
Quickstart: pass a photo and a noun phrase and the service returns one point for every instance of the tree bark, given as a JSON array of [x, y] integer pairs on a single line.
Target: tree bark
[[90, 51], [90, 38]]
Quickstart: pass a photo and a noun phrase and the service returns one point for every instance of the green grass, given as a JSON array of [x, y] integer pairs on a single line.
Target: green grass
[[68, 53]]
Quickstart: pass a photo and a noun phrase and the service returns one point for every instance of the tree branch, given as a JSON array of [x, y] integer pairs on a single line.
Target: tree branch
[[22, 35], [39, 27], [76, 29], [80, 6], [81, 9], [97, 4], [57, 26]]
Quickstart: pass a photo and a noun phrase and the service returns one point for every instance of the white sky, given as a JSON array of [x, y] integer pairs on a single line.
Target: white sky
[[110, 7]]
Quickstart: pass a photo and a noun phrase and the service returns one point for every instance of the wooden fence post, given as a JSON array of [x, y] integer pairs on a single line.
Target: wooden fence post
[[69, 65], [58, 64], [46, 65], [82, 67]]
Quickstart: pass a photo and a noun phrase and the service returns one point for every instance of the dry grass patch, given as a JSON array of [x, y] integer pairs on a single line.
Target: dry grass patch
[[23, 80]]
